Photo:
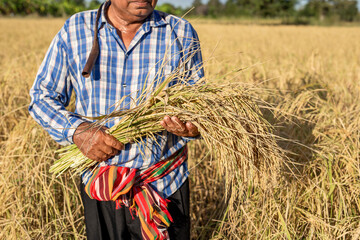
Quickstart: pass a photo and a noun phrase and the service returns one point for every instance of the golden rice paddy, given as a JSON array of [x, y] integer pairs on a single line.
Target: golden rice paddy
[[309, 75]]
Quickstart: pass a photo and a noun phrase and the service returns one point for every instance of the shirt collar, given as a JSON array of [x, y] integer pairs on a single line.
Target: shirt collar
[[154, 20]]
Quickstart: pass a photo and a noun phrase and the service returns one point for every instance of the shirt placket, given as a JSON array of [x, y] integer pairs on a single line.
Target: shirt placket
[[144, 29]]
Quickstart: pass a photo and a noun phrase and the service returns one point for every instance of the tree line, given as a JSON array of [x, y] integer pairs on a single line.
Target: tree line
[[342, 10], [336, 10], [56, 8]]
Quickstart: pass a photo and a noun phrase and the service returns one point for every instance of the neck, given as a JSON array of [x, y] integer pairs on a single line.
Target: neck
[[123, 21]]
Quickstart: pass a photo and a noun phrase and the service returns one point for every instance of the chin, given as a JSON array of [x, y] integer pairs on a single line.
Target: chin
[[142, 12]]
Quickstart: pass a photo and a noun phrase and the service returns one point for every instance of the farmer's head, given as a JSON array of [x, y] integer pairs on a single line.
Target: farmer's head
[[133, 10]]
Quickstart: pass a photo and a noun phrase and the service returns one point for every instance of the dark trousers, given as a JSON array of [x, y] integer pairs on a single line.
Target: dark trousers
[[104, 222]]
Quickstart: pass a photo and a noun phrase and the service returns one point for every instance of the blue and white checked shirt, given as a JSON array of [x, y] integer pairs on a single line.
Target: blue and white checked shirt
[[161, 43]]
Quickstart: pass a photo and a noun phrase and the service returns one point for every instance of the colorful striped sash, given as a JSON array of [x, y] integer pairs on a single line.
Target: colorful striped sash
[[120, 184]]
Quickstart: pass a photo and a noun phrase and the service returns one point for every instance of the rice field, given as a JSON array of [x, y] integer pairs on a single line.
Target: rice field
[[309, 75]]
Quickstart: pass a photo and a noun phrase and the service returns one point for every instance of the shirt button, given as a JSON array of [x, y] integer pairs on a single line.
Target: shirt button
[[124, 85]]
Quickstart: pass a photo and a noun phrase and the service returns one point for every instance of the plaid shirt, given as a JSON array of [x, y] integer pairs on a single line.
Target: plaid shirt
[[160, 46]]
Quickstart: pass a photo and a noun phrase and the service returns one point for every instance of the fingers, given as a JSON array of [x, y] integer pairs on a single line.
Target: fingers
[[99, 152], [108, 150], [95, 144], [192, 129], [174, 125], [177, 127], [113, 142], [98, 156], [108, 147], [179, 124]]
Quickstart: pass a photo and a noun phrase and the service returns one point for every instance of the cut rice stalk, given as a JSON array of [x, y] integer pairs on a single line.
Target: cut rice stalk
[[228, 119]]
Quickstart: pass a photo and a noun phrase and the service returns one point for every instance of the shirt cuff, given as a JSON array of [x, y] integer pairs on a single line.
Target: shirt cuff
[[71, 127]]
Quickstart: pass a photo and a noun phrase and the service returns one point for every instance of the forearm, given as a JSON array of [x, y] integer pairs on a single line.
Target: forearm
[[51, 92], [53, 116]]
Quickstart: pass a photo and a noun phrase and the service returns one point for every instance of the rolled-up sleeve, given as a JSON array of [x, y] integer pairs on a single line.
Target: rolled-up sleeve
[[51, 92]]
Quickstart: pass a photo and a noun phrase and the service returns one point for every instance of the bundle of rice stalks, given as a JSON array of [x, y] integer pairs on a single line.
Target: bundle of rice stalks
[[227, 116]]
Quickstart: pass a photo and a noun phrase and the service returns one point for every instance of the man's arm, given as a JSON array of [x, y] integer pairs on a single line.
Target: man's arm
[[51, 94]]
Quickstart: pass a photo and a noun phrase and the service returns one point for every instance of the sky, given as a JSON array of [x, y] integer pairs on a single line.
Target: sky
[[187, 3]]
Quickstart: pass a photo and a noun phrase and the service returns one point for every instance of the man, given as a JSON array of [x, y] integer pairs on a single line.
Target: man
[[137, 48]]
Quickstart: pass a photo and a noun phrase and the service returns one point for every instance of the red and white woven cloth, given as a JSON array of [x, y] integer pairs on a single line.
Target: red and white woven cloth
[[120, 184]]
